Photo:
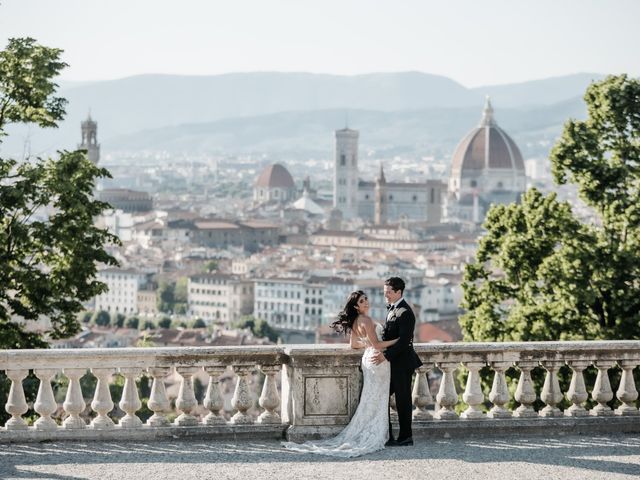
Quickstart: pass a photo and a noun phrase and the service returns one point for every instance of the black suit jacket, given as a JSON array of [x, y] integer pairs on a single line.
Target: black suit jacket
[[401, 324]]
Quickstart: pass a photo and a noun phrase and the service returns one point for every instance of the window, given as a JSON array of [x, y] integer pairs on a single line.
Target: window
[[343, 159], [433, 195]]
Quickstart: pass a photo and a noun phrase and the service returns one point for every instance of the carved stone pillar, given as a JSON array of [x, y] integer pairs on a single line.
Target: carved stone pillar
[[525, 392], [158, 401], [551, 394], [16, 404], [421, 395], [499, 394], [45, 402], [213, 401], [473, 395], [102, 402], [577, 393], [242, 400], [186, 401], [269, 399], [602, 392], [74, 401], [627, 392], [447, 396], [130, 401]]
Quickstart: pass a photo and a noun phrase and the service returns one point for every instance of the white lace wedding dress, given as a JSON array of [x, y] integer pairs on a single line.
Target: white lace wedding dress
[[368, 429]]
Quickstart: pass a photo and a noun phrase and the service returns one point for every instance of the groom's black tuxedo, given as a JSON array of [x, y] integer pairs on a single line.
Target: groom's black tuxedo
[[404, 360]]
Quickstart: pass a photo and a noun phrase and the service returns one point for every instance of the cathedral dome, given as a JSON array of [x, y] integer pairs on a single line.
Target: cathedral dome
[[486, 147], [275, 176]]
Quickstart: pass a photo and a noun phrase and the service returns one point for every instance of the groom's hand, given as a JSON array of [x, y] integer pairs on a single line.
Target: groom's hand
[[378, 358]]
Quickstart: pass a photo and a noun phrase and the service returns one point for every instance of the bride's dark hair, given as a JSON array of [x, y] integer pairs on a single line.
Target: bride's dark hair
[[348, 315]]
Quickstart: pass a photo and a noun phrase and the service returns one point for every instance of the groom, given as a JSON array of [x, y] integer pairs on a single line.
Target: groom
[[403, 358]]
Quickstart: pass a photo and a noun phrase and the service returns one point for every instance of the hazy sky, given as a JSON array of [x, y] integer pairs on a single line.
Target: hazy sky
[[475, 42]]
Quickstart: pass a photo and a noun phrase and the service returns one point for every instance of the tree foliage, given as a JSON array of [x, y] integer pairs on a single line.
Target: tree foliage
[[543, 274], [50, 247], [258, 327]]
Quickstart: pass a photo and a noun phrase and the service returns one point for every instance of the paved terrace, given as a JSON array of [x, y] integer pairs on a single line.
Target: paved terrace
[[572, 457]]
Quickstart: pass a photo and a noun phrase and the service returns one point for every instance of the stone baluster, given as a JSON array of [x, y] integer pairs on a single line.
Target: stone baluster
[[447, 396], [74, 401], [186, 401], [130, 402], [473, 395], [242, 400], [45, 403], [158, 401], [602, 392], [102, 403], [499, 394], [551, 394], [627, 392], [525, 393], [421, 395], [16, 404], [213, 401], [577, 393], [269, 399]]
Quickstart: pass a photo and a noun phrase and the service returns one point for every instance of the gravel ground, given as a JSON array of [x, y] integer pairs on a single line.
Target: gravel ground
[[607, 457]]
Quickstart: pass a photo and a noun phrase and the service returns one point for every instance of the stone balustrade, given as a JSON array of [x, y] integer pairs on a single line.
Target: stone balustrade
[[320, 387]]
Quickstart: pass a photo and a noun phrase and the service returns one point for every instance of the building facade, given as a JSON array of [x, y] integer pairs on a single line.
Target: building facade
[[123, 288], [487, 167], [89, 130], [220, 298], [380, 201], [289, 303]]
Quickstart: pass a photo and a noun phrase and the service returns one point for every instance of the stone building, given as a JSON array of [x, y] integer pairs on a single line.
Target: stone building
[[274, 184], [89, 129], [378, 200], [129, 201], [219, 298], [487, 167], [123, 286], [289, 303]]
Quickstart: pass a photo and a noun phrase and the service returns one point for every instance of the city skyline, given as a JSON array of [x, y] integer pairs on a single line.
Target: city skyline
[[474, 43]]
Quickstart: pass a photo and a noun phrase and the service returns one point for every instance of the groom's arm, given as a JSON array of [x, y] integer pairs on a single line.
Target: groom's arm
[[406, 325]]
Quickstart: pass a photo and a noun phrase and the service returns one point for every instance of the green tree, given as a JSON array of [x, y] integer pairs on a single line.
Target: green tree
[[541, 273], [47, 267], [118, 320], [148, 325], [164, 322], [133, 322], [258, 327], [199, 323], [166, 296], [102, 318], [210, 266]]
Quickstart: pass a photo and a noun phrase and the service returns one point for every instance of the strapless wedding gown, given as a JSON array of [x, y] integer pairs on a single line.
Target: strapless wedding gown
[[368, 429]]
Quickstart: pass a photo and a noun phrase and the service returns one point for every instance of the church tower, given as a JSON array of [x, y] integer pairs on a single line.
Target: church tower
[[90, 139], [382, 210], [345, 181]]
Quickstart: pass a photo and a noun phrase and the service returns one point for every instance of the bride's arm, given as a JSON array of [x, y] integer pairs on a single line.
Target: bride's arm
[[370, 328]]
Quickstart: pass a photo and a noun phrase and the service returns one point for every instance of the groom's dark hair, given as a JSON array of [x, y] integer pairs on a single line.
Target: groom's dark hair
[[396, 283]]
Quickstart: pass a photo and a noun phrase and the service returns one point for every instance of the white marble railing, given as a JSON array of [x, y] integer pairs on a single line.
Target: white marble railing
[[320, 386]]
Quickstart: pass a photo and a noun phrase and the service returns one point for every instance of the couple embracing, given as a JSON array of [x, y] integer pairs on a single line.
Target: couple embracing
[[388, 363]]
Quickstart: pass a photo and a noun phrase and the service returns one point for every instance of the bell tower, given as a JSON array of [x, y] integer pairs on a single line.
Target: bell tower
[[381, 209], [345, 181], [90, 139]]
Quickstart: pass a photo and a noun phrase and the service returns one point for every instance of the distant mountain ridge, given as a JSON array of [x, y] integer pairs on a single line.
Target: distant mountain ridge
[[129, 109]]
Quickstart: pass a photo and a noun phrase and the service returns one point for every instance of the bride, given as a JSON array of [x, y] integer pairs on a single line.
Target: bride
[[368, 429]]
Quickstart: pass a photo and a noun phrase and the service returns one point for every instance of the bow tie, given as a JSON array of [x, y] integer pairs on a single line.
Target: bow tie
[[389, 306]]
